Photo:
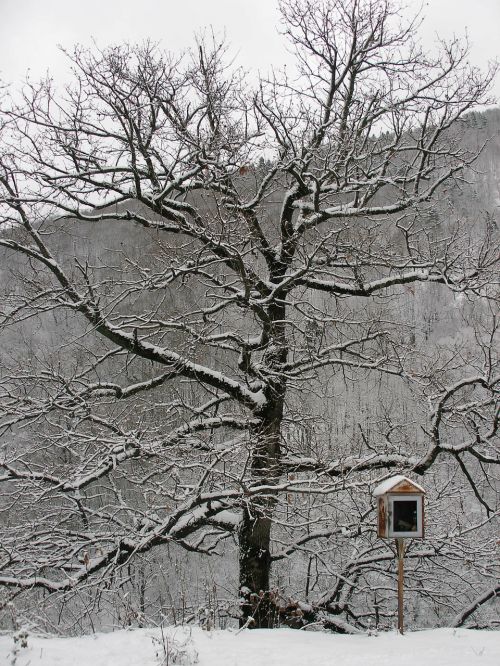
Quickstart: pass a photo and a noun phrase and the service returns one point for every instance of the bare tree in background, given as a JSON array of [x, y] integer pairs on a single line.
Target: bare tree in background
[[254, 252]]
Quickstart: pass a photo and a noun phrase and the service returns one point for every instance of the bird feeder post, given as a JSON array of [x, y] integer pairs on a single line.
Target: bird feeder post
[[400, 550], [400, 504]]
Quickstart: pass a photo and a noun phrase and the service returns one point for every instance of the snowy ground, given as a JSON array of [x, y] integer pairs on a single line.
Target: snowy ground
[[146, 647]]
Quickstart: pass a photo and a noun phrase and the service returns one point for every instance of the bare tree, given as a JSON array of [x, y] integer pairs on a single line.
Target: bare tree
[[230, 262]]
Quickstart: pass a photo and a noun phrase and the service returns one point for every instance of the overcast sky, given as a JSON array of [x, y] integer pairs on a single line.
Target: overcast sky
[[30, 30]]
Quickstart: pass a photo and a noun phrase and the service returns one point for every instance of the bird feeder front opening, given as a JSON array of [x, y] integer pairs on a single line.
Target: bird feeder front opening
[[405, 516]]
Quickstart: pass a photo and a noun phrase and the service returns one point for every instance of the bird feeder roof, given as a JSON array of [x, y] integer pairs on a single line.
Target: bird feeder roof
[[398, 483]]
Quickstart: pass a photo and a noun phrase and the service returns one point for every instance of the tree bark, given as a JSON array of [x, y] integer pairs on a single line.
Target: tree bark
[[259, 609]]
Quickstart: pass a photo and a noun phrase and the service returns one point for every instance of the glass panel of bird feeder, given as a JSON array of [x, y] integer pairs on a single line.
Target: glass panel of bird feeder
[[406, 516]]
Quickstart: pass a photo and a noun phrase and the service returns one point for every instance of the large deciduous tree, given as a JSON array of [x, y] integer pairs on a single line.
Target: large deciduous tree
[[230, 259]]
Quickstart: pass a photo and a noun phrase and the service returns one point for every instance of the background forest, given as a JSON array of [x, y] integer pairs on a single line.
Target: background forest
[[227, 314]]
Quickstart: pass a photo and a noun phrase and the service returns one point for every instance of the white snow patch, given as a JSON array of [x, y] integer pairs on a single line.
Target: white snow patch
[[279, 647]]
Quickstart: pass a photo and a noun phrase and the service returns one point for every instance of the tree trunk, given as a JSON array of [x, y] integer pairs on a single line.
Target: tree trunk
[[259, 609]]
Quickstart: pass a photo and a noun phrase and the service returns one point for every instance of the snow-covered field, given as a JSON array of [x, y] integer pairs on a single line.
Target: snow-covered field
[[148, 647]]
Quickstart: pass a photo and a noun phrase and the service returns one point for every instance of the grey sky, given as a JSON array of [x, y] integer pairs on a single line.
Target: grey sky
[[31, 29]]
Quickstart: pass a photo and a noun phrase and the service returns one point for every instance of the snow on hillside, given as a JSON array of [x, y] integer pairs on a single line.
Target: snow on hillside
[[186, 646]]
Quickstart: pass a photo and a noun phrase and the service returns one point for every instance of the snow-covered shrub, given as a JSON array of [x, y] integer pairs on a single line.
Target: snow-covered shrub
[[175, 648]]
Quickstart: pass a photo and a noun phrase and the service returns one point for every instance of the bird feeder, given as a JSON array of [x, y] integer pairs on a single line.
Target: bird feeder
[[400, 516], [400, 508]]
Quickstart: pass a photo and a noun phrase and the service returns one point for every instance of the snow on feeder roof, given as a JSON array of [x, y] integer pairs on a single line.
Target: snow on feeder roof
[[398, 484]]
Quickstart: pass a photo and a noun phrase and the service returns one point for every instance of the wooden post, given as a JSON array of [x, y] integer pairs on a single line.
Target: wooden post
[[400, 549]]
